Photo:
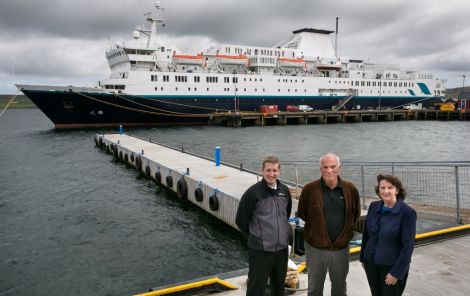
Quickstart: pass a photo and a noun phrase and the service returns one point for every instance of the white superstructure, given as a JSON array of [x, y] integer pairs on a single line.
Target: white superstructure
[[302, 65]]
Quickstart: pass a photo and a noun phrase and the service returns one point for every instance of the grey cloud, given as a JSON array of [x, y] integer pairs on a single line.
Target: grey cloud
[[425, 34]]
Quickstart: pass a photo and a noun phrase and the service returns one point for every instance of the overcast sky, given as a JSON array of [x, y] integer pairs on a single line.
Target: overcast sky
[[64, 41]]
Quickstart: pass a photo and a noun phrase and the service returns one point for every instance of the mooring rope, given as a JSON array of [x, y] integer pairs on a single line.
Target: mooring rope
[[9, 102], [144, 111]]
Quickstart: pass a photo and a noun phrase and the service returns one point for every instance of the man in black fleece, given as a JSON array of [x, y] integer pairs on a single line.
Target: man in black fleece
[[262, 215]]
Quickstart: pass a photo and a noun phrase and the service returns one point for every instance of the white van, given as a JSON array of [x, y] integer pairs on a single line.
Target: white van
[[413, 106], [305, 108]]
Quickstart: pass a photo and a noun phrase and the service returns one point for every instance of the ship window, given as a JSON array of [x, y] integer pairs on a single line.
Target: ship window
[[189, 89], [195, 88], [244, 89], [207, 89], [176, 88], [256, 89], [261, 80], [278, 90], [279, 80], [263, 89], [156, 88]]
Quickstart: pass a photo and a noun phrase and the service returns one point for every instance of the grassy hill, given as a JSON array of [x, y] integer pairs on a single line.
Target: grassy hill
[[20, 101]]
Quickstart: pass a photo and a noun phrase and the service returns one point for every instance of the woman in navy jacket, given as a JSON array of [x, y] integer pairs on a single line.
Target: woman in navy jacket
[[388, 239]]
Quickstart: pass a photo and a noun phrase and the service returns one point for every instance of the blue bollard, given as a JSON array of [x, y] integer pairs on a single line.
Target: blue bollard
[[121, 131], [217, 156]]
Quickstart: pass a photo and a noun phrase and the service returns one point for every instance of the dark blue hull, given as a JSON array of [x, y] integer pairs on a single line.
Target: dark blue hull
[[70, 109]]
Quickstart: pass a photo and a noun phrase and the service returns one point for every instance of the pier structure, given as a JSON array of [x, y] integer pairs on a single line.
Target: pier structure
[[217, 189], [237, 119]]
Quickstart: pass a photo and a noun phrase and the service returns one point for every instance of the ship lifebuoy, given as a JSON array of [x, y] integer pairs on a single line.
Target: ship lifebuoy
[[169, 181], [158, 178], [182, 189], [213, 202], [199, 195], [147, 170], [126, 157], [132, 157], [138, 162]]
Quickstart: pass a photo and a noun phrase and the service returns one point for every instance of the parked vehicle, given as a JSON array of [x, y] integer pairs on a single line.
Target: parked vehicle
[[268, 109], [447, 107], [413, 107], [292, 108], [305, 108]]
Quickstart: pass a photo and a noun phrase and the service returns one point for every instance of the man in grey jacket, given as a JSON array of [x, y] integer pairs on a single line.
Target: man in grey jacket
[[262, 215]]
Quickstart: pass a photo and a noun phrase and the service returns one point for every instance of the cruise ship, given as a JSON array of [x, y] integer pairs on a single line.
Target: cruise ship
[[152, 83]]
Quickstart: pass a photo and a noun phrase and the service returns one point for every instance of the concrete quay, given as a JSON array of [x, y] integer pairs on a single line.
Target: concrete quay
[[437, 269]]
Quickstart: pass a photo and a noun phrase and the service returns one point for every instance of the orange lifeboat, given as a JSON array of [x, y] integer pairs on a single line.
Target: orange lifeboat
[[239, 60], [185, 59], [292, 63]]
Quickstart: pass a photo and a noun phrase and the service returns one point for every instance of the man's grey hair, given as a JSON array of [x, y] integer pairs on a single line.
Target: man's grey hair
[[329, 154]]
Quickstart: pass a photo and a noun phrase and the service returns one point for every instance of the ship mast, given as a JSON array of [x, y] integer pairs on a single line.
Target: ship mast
[[154, 21]]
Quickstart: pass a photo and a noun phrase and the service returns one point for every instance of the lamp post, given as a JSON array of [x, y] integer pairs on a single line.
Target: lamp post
[[380, 89], [235, 89]]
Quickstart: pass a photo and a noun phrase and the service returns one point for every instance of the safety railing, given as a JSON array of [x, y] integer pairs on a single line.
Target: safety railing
[[438, 188]]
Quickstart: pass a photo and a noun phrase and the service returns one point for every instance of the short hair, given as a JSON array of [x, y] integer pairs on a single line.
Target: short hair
[[330, 154], [401, 192], [271, 159]]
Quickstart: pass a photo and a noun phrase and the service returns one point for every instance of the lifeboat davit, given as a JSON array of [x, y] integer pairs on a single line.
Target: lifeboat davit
[[239, 60], [291, 63], [184, 59]]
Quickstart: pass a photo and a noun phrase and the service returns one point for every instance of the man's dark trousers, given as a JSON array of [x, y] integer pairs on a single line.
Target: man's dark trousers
[[264, 265]]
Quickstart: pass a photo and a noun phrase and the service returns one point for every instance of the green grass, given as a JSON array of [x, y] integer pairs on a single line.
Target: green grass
[[20, 102]]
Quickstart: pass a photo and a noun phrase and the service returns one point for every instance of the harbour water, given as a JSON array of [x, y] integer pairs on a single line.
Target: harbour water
[[72, 220]]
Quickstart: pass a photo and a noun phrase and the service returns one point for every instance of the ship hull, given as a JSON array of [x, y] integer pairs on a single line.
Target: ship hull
[[75, 108]]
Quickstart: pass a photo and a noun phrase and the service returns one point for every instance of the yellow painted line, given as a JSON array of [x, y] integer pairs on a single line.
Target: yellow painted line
[[189, 286], [354, 250], [302, 267], [442, 231], [426, 235]]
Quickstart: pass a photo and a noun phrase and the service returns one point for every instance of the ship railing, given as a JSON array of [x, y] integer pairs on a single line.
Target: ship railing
[[440, 190]]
